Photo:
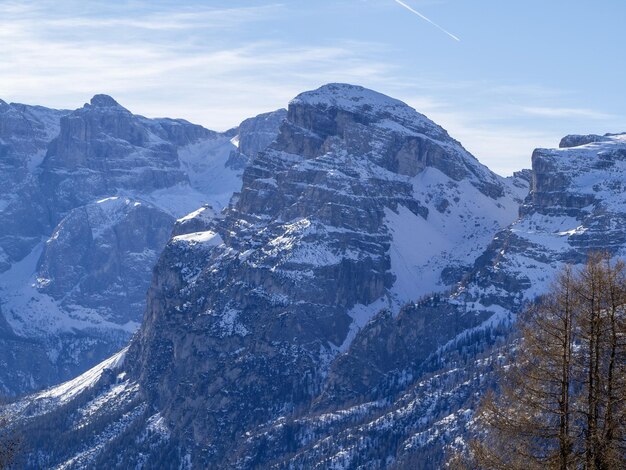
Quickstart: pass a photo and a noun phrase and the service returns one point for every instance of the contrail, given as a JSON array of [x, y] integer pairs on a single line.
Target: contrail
[[426, 19]]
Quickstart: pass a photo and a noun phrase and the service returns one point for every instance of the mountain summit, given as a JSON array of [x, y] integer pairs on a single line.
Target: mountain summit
[[104, 101]]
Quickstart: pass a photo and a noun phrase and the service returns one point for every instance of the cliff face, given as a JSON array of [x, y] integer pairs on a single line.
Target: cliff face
[[255, 135], [575, 206], [25, 132], [103, 148], [114, 242], [87, 203]]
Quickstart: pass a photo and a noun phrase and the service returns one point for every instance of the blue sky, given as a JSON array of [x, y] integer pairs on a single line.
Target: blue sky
[[523, 74]]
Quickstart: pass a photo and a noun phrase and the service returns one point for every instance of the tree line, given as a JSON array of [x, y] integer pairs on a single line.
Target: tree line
[[560, 402]]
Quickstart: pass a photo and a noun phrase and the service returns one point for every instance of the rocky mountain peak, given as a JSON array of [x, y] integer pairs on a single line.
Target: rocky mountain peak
[[256, 133], [576, 140], [348, 97], [385, 131], [575, 176], [253, 135], [103, 187], [102, 148], [104, 101], [359, 205], [369, 105]]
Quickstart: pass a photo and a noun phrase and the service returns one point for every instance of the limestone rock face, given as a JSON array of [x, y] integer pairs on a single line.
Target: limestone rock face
[[406, 388], [574, 140], [87, 202], [103, 148], [101, 256], [254, 135], [24, 135], [576, 206], [341, 217]]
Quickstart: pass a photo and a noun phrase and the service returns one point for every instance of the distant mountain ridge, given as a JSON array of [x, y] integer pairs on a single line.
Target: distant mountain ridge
[[88, 204]]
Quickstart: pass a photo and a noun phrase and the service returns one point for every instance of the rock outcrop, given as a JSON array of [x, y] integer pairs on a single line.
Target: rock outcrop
[[255, 135], [438, 354], [103, 148], [101, 256]]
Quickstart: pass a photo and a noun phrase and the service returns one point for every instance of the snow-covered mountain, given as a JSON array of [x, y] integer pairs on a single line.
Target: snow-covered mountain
[[269, 323], [90, 200], [418, 375], [344, 310]]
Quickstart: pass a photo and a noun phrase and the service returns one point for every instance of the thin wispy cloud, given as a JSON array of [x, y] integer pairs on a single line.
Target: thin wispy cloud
[[198, 76], [558, 112], [414, 11], [204, 18], [217, 65]]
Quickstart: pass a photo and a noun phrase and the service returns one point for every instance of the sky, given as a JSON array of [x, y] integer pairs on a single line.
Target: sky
[[503, 77]]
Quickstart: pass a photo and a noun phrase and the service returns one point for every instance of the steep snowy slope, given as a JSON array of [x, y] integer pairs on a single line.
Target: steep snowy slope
[[360, 205], [92, 199]]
